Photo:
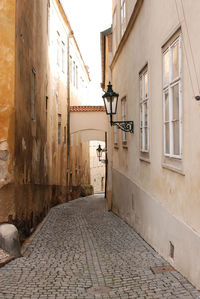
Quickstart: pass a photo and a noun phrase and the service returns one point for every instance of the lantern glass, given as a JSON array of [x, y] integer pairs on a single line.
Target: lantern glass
[[110, 100], [99, 151], [110, 104]]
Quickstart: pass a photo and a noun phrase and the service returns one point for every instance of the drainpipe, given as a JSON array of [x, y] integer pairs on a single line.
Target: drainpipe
[[106, 165], [68, 114]]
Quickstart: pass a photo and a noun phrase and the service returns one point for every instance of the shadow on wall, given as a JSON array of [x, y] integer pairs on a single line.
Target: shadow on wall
[[27, 205], [82, 191]]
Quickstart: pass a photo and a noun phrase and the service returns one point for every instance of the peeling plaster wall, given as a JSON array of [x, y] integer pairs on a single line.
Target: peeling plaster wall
[[79, 162], [7, 75], [32, 193]]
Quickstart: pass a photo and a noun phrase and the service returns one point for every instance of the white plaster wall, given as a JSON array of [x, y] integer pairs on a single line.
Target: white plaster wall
[[170, 211]]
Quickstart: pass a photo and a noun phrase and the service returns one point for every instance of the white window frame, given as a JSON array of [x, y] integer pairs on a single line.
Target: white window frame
[[123, 16], [63, 58], [77, 77], [115, 131], [168, 88], [74, 74], [70, 68], [144, 100], [58, 48], [123, 116]]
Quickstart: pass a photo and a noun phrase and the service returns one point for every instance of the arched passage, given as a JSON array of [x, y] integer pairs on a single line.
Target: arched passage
[[86, 125]]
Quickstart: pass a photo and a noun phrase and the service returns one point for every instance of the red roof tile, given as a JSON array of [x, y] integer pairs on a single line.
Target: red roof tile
[[87, 109]]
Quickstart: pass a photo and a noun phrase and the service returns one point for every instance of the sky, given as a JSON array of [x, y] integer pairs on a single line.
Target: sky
[[88, 18]]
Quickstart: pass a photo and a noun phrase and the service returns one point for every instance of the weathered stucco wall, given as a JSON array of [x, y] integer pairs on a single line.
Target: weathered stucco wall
[[7, 85], [79, 164], [32, 194]]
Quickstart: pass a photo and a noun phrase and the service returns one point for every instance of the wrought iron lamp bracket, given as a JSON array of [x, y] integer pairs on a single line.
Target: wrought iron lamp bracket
[[126, 126], [103, 161]]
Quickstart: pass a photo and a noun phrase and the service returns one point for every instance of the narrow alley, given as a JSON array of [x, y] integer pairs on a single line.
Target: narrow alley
[[82, 251]]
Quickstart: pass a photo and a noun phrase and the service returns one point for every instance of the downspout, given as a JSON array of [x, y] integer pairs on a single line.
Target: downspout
[[68, 115], [106, 165]]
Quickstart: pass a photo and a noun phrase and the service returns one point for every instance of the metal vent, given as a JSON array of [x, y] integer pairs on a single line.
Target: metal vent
[[161, 269]]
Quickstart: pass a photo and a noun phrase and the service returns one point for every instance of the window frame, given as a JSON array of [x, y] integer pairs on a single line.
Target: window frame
[[122, 16], [168, 87], [144, 100], [58, 49], [33, 94], [124, 117], [63, 58], [115, 132], [59, 128]]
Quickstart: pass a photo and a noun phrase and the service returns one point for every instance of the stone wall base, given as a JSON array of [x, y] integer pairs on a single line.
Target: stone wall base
[[157, 226]]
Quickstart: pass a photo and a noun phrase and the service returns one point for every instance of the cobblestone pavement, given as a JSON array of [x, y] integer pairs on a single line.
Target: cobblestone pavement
[[83, 251]]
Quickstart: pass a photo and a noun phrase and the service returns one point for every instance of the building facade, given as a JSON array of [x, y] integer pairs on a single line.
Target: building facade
[[35, 93], [155, 68]]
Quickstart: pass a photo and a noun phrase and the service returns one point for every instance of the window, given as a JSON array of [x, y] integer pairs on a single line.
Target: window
[[115, 130], [123, 16], [63, 58], [46, 107], [65, 135], [33, 94], [144, 111], [58, 48], [74, 73], [172, 100], [76, 76], [123, 112], [59, 128], [70, 68], [114, 32]]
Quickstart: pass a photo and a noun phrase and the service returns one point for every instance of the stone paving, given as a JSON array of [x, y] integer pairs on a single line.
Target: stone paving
[[82, 251]]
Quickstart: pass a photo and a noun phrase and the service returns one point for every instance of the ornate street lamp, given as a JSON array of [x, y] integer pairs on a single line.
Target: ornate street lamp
[[99, 151], [110, 102]]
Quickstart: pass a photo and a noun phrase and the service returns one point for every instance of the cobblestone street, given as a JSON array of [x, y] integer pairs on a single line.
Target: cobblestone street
[[83, 251]]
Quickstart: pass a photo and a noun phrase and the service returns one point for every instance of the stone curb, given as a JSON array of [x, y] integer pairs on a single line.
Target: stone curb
[[34, 234], [5, 257], [5, 261]]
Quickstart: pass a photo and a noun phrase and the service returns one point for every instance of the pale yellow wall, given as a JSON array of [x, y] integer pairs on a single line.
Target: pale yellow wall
[[79, 160], [176, 191]]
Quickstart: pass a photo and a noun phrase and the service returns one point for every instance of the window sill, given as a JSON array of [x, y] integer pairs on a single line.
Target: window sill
[[172, 168], [124, 144], [144, 156], [145, 160]]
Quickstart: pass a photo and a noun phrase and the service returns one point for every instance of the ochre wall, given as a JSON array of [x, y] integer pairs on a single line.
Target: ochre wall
[[7, 83], [32, 193], [79, 164]]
